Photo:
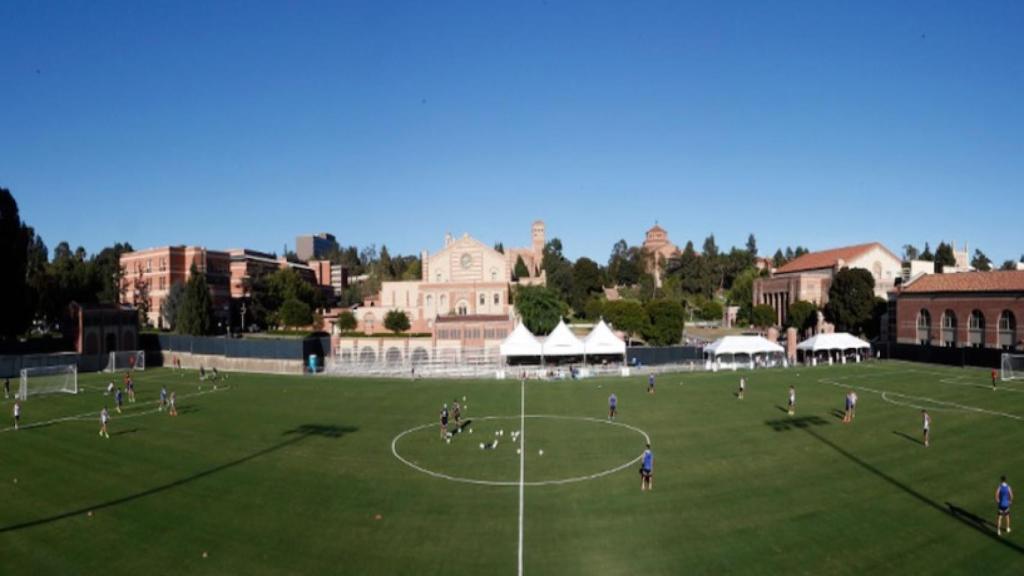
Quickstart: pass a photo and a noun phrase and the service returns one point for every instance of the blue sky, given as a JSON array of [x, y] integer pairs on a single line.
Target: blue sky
[[232, 124]]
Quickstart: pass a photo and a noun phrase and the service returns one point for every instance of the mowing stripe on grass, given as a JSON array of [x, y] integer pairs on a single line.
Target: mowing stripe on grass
[[94, 413], [522, 466]]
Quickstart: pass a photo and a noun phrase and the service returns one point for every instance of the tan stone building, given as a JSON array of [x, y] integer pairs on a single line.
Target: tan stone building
[[809, 277], [659, 250], [463, 294]]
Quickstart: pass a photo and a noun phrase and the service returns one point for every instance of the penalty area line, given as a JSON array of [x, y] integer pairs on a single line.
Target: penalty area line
[[522, 467]]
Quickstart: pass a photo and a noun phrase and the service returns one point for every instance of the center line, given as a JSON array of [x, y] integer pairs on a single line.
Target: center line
[[522, 466]]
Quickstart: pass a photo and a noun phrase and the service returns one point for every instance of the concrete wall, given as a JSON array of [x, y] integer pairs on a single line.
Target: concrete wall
[[225, 364]]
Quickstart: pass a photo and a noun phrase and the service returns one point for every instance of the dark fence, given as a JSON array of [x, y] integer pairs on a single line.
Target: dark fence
[[986, 357], [158, 345], [654, 355]]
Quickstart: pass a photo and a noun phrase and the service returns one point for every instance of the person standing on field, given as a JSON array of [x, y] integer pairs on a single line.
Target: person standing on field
[[1004, 499]]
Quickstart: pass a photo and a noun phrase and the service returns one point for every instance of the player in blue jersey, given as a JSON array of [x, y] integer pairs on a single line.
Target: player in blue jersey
[[613, 406], [118, 400], [163, 398], [650, 383], [647, 470], [1004, 498]]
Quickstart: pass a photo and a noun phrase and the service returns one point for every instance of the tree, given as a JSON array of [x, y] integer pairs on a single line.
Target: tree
[[802, 315], [694, 272], [499, 247], [981, 261], [628, 316], [520, 270], [141, 298], [851, 299], [1008, 265], [195, 316], [742, 294], [385, 268], [587, 280], [109, 273], [910, 252], [558, 269], [800, 251], [927, 255], [346, 321], [594, 308], [172, 304], [710, 248], [789, 254], [762, 316], [779, 259], [752, 245], [944, 257], [396, 321], [294, 312], [539, 308], [15, 315], [665, 326], [711, 311]]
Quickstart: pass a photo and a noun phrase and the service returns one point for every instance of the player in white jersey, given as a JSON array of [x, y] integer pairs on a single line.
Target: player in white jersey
[[927, 423], [743, 388], [17, 414], [104, 418], [792, 400]]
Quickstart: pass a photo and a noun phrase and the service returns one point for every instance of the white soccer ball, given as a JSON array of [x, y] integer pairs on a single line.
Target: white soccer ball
[[540, 452], [448, 440], [463, 398], [518, 450], [481, 445], [470, 430]]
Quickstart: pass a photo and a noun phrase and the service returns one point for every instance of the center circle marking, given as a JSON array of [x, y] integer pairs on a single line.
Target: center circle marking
[[414, 466]]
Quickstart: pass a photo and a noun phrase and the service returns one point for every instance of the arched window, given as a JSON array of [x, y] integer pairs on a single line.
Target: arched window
[[976, 329], [494, 274], [876, 269], [430, 300], [949, 329], [1007, 330], [497, 298], [924, 327], [483, 299]]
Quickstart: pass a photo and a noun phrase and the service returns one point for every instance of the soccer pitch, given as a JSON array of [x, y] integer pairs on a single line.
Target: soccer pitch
[[317, 475]]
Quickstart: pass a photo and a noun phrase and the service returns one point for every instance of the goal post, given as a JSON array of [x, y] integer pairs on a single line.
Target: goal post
[[48, 380], [124, 361], [1011, 367]]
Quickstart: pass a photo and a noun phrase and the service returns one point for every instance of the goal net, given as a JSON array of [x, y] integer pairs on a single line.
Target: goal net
[[125, 361], [48, 380], [1012, 366]]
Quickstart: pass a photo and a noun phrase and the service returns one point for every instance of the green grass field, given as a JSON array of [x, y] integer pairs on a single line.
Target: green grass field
[[296, 475]]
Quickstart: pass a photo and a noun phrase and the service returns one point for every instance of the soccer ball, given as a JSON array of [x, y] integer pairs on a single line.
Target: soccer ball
[[470, 430], [518, 450], [481, 445], [448, 440], [463, 398], [540, 452]]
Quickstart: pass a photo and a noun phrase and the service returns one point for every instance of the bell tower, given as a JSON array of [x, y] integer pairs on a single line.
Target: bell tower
[[538, 239]]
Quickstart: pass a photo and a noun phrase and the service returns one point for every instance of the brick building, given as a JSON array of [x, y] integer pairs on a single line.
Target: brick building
[[968, 309], [152, 272], [659, 250], [809, 277], [103, 328]]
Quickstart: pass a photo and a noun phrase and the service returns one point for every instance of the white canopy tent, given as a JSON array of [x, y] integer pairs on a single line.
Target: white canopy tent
[[562, 342], [602, 341], [841, 342], [735, 349], [521, 342]]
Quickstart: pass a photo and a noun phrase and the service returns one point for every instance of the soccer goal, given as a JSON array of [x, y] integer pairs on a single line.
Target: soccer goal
[[123, 361], [48, 380], [1012, 366]]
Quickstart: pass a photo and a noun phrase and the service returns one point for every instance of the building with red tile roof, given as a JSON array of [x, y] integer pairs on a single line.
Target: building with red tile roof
[[809, 277], [966, 309]]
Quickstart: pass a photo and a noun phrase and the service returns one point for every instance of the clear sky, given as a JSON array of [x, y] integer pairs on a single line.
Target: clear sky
[[243, 124]]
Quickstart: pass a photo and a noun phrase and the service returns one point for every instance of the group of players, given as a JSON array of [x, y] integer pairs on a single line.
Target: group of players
[[168, 401]]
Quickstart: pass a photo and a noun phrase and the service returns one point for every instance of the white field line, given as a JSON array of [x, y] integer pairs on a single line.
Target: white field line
[[414, 466], [522, 467], [886, 394], [113, 417]]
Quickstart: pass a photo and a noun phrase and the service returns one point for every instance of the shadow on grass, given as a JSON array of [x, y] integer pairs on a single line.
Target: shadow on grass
[[908, 437], [959, 514], [839, 414], [785, 424], [128, 431], [297, 435]]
